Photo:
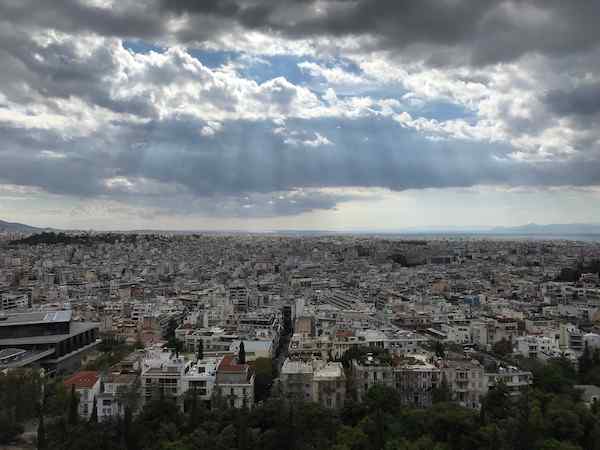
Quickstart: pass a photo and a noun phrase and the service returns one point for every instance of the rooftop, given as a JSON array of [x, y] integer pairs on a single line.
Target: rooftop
[[229, 364], [83, 380], [30, 318]]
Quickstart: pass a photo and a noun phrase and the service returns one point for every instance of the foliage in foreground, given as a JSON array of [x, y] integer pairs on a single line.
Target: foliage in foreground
[[547, 416]]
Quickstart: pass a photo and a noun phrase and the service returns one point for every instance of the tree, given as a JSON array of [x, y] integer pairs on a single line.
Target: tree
[[497, 403], [441, 393], [503, 347], [200, 354], [439, 349], [351, 438], [73, 403], [263, 379], [242, 354], [41, 431], [94, 415], [585, 361]]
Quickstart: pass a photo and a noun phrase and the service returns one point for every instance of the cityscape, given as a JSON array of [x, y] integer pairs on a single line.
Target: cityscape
[[299, 225], [205, 322]]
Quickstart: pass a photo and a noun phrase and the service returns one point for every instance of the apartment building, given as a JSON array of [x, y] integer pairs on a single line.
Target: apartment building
[[314, 380], [466, 381]]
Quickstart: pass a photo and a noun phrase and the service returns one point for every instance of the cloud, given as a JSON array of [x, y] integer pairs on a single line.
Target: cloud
[[451, 32], [386, 94], [474, 31], [583, 100]]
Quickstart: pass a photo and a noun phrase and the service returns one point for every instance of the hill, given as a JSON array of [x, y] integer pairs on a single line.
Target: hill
[[13, 227]]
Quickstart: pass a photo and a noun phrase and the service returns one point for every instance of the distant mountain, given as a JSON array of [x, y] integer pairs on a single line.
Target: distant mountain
[[551, 229], [18, 227]]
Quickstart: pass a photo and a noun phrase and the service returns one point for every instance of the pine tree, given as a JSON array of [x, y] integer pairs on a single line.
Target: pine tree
[[200, 355], [585, 361], [41, 431], [73, 414], [242, 354], [193, 414], [94, 416], [126, 430]]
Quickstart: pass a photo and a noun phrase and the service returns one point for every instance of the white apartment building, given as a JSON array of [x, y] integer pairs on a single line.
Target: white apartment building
[[162, 374], [534, 347], [201, 377]]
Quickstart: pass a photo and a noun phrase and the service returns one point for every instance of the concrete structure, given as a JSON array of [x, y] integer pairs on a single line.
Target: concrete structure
[[53, 331]]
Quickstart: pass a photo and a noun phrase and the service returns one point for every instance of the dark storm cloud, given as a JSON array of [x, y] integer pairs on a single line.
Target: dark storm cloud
[[475, 31], [583, 100], [129, 19], [444, 32]]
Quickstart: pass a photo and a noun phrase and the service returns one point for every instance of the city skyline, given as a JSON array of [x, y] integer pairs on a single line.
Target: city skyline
[[326, 115]]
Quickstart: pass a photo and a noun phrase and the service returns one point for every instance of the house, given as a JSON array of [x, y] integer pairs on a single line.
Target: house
[[87, 386], [235, 382], [114, 392]]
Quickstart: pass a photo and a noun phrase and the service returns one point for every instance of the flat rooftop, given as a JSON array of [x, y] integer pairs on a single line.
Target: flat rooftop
[[35, 317]]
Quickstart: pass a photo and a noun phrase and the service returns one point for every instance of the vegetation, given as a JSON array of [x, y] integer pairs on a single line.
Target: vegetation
[[111, 352], [51, 238], [263, 378], [589, 366], [503, 347], [537, 420], [549, 415]]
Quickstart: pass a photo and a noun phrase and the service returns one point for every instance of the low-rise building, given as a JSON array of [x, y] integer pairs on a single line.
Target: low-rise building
[[314, 380], [117, 390], [514, 379], [87, 386], [235, 382], [466, 380]]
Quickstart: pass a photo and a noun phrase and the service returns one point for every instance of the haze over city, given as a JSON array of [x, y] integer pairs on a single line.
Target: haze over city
[[333, 115]]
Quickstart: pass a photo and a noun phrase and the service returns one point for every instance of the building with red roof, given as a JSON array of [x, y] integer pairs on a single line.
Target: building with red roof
[[235, 382], [87, 386]]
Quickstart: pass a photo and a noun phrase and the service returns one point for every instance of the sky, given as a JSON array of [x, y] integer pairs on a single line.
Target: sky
[[299, 114]]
